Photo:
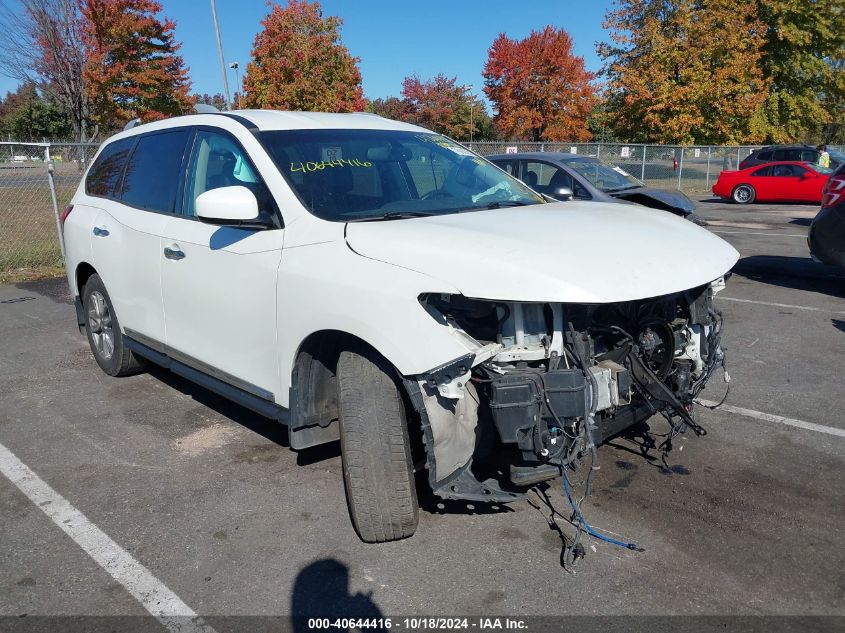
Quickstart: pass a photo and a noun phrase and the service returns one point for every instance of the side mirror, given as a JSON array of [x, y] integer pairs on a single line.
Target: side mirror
[[563, 193], [228, 206]]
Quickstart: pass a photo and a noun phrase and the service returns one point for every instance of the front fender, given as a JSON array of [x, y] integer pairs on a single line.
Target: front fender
[[329, 287]]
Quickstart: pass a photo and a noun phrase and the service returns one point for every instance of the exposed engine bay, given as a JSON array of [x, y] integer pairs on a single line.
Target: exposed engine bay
[[550, 382]]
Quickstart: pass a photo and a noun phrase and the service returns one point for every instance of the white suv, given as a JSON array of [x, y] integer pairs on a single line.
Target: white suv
[[366, 280]]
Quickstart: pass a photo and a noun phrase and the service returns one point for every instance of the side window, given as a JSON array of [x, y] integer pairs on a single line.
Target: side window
[[765, 171], [788, 154], [765, 155], [509, 166], [152, 173], [544, 177], [787, 171], [105, 173], [218, 161], [809, 155]]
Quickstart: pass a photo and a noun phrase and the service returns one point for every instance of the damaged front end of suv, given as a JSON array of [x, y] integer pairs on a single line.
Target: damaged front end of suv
[[550, 382]]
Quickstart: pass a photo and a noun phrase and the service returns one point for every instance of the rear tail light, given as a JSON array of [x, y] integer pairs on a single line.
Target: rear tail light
[[833, 192], [64, 214]]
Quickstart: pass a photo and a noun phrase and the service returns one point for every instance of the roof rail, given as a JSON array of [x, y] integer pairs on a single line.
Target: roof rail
[[133, 123]]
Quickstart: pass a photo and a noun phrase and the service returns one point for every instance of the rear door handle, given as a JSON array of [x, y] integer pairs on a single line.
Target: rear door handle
[[173, 252], [101, 232]]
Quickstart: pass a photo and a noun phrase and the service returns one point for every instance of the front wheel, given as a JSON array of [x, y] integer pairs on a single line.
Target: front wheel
[[104, 335], [744, 194], [375, 449]]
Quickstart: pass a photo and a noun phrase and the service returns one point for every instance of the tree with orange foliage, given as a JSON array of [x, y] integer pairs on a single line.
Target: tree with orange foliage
[[541, 91], [132, 68], [299, 63], [685, 71], [440, 104]]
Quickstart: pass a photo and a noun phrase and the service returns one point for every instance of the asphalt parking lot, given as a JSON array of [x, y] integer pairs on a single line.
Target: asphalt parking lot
[[748, 520]]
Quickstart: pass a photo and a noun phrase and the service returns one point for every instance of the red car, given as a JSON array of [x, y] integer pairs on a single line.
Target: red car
[[787, 181]]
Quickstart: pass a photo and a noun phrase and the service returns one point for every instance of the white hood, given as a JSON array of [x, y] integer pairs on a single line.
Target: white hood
[[570, 252]]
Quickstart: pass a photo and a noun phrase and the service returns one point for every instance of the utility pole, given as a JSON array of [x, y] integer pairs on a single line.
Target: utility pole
[[222, 60], [468, 88], [234, 66]]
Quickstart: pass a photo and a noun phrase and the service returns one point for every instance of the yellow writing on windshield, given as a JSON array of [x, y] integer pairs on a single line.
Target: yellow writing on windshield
[[327, 164]]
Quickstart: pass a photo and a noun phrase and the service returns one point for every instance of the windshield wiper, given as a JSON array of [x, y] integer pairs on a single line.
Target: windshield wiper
[[396, 215], [506, 203], [618, 189]]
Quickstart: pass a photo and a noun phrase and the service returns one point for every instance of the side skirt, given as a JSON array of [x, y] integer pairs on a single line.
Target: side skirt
[[250, 401]]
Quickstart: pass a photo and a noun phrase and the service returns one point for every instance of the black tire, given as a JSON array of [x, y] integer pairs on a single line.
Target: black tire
[[697, 219], [375, 449], [743, 194], [121, 361]]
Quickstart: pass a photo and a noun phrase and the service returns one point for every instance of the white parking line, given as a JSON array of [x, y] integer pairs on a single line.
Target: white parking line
[[770, 417], [757, 233], [780, 305], [153, 595]]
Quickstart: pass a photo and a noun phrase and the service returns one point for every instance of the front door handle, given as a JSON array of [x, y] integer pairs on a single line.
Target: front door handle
[[173, 252], [101, 232]]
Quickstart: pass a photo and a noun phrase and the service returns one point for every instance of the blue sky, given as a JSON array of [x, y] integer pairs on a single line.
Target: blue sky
[[393, 38]]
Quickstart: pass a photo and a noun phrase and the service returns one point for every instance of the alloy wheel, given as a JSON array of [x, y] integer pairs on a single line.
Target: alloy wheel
[[100, 325]]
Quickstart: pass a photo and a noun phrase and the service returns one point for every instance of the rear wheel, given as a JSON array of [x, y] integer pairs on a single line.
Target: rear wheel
[[743, 194], [104, 334], [376, 453]]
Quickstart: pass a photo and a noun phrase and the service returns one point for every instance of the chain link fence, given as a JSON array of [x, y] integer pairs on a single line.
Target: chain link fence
[[692, 169], [37, 181]]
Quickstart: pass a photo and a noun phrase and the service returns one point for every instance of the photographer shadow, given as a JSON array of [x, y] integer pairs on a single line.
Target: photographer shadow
[[321, 590]]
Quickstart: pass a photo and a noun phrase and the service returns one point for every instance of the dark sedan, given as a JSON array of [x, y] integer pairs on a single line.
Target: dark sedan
[[827, 231], [562, 176]]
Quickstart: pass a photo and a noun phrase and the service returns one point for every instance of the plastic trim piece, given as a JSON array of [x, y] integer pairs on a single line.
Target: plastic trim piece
[[80, 314], [460, 484], [244, 398]]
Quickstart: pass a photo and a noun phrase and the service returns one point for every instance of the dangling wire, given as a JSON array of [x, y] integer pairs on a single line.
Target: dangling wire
[[582, 522]]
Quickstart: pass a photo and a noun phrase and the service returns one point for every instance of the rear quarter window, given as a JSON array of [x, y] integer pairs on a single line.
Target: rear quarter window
[[809, 155], [104, 175], [152, 171]]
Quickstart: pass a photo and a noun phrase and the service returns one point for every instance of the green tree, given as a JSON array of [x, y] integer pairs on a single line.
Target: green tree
[[299, 63], [804, 58], [27, 115], [132, 68], [685, 71]]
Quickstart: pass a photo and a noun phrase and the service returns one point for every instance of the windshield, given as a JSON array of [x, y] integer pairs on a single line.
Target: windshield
[[821, 169], [353, 175], [606, 177]]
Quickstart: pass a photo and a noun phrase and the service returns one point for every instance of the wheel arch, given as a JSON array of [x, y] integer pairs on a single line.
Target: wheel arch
[[313, 386], [81, 275]]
